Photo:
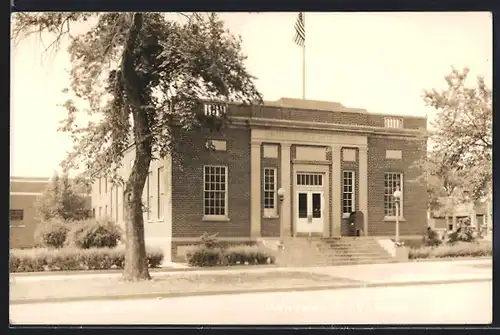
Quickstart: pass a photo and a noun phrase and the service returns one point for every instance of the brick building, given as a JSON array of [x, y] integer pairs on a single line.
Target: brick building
[[23, 193], [23, 220], [325, 159]]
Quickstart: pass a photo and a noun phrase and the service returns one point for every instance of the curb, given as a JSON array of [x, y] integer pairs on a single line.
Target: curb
[[450, 259], [246, 291], [220, 268], [154, 270]]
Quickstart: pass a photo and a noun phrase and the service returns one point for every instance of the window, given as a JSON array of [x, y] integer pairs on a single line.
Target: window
[[105, 185], [348, 186], [393, 181], [100, 185], [17, 214], [93, 213], [270, 207], [111, 202], [215, 191], [217, 145], [148, 196], [393, 122], [116, 203], [100, 212], [160, 190], [309, 179], [106, 210]]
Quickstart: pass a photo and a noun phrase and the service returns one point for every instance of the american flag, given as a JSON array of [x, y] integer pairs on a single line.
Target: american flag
[[300, 30]]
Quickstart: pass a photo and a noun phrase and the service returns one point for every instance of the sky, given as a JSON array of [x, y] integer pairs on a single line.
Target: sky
[[378, 61]]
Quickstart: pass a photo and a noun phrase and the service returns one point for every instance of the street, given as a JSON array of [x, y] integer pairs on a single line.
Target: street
[[469, 303]]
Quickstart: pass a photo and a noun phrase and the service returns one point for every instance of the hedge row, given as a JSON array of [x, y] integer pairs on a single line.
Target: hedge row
[[463, 249], [234, 255], [67, 259]]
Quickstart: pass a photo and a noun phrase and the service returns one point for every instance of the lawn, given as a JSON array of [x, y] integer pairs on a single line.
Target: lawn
[[185, 282]]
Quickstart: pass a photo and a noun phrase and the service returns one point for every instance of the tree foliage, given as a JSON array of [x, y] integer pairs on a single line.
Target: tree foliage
[[458, 167], [142, 76], [63, 199]]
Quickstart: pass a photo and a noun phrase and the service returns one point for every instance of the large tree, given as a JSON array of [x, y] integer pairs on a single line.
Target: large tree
[[144, 75], [458, 167]]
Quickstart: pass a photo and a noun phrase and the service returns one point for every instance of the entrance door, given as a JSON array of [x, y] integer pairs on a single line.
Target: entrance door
[[310, 216]]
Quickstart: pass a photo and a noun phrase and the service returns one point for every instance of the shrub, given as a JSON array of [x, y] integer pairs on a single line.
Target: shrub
[[232, 255], [203, 256], [460, 249], [210, 241], [431, 238], [51, 234], [67, 259], [464, 233], [95, 234], [244, 254]]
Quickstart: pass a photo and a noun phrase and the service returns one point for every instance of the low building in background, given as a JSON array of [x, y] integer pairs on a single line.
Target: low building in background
[[23, 219]]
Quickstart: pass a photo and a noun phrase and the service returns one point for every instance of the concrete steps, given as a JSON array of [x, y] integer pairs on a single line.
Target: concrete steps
[[332, 251]]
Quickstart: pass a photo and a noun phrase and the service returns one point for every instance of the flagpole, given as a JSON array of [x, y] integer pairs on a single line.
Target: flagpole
[[304, 61]]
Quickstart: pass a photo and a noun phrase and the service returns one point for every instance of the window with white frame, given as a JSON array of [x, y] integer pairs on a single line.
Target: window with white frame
[[106, 211], [111, 202], [149, 195], [161, 192], [270, 185], [309, 179], [392, 182], [116, 203], [348, 187], [215, 191], [100, 213]]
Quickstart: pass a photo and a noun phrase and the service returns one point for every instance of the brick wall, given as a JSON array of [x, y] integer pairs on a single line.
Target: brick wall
[[414, 194], [187, 185], [353, 116]]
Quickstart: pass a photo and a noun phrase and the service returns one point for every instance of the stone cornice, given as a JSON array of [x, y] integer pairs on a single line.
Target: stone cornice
[[348, 128]]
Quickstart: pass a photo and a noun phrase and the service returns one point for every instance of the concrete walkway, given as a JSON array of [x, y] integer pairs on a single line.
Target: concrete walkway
[[371, 273]]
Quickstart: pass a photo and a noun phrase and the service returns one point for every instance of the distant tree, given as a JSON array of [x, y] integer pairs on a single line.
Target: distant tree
[[457, 168], [62, 199], [146, 77], [463, 135]]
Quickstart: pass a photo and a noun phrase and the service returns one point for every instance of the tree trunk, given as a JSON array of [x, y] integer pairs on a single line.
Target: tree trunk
[[136, 263]]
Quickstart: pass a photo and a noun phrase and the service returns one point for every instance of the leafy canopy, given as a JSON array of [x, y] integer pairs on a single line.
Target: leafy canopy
[[458, 167], [175, 65]]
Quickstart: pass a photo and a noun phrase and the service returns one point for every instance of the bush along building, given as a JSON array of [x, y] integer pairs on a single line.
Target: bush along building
[[290, 171]]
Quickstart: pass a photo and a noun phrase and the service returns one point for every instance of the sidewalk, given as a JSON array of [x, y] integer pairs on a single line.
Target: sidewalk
[[239, 280]]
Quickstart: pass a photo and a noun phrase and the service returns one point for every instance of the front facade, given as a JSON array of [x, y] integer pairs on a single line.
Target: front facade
[[289, 168]]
